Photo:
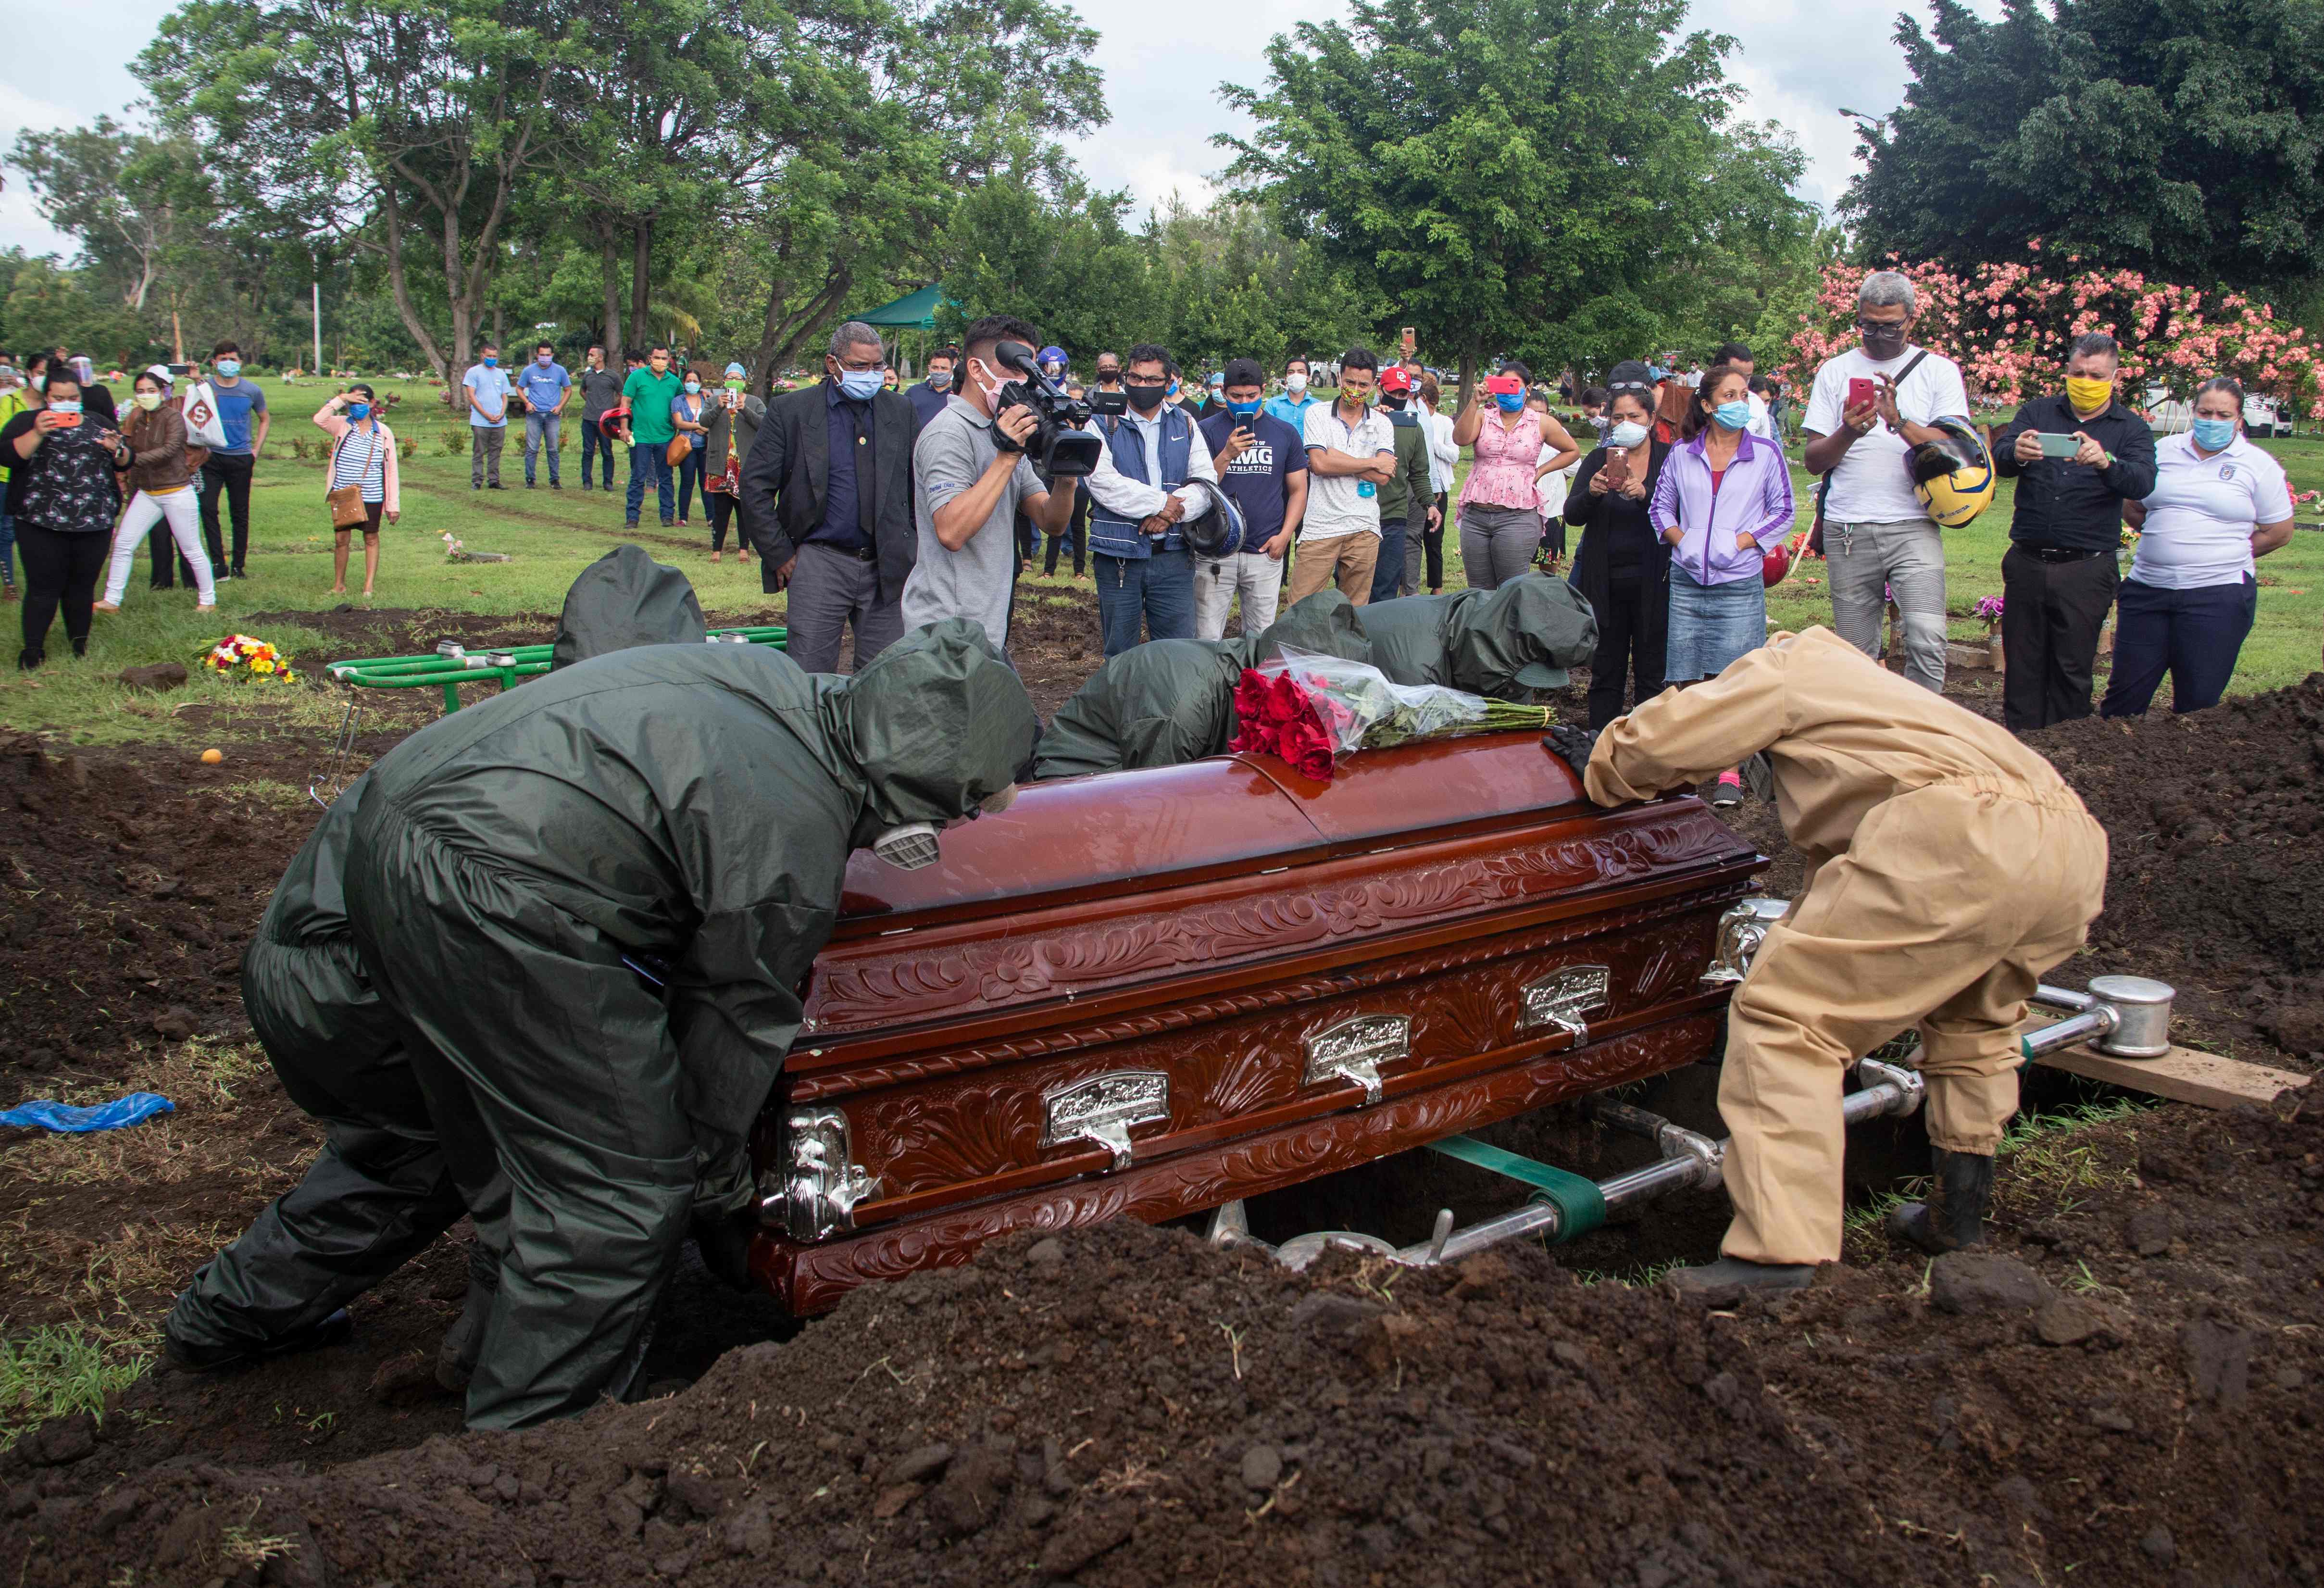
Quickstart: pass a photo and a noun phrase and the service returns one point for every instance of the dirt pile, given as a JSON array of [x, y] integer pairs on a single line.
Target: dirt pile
[[2216, 877], [2123, 1388], [128, 901]]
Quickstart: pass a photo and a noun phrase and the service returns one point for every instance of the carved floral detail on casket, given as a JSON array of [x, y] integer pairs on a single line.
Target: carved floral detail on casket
[[812, 1278], [857, 988], [1690, 945]]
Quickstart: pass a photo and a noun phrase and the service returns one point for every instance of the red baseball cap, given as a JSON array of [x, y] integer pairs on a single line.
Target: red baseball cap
[[1396, 378], [1505, 386]]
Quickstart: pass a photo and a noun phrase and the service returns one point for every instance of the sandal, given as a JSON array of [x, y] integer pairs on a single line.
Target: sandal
[[105, 607]]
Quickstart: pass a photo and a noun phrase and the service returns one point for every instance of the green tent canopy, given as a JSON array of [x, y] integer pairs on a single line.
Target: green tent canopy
[[914, 311]]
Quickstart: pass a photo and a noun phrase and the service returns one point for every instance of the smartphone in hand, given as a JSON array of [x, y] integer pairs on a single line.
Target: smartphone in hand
[[1616, 467], [1861, 392], [2057, 446]]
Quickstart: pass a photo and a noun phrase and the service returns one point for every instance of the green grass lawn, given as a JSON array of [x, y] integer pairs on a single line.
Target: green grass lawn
[[549, 536]]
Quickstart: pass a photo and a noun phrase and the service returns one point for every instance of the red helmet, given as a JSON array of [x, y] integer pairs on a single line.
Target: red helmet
[[1775, 564]]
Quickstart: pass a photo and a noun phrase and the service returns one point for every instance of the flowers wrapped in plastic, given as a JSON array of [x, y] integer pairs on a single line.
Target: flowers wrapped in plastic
[[1310, 710]]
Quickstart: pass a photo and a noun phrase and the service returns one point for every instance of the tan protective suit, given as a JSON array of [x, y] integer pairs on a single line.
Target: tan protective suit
[[1949, 866]]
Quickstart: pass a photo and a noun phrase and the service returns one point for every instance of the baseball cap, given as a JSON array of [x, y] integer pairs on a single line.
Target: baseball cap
[[1396, 378]]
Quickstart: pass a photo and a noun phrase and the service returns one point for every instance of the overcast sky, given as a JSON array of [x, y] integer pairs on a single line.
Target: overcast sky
[[1798, 60]]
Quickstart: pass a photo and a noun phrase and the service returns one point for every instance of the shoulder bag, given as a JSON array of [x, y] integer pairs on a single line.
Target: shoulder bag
[[347, 501]]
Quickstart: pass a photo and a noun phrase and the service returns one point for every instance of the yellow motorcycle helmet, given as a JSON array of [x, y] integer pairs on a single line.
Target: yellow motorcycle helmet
[[1952, 476]]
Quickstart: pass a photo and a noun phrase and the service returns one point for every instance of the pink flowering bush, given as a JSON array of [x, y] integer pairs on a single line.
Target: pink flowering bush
[[2008, 325]]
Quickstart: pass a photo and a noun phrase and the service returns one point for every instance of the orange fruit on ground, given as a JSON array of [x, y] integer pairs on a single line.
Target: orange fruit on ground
[[212, 757]]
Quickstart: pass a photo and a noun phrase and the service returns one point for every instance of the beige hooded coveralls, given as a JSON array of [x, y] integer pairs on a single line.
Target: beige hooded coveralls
[[1949, 866]]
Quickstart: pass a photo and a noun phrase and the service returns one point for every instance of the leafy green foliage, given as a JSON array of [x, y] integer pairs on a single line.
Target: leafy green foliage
[[1540, 175], [2179, 140]]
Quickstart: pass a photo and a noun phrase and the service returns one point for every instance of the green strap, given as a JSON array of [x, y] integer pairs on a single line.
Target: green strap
[[1580, 1206]]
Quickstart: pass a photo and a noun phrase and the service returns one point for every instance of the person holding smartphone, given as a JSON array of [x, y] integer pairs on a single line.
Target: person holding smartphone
[[1622, 567], [1868, 408], [63, 499], [1262, 465], [2079, 457]]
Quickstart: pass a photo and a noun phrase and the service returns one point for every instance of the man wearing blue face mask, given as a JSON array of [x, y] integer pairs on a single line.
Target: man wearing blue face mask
[[1262, 466], [240, 411], [826, 501], [488, 392]]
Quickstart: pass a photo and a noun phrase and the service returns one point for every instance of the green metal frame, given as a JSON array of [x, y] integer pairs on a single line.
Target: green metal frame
[[434, 669]]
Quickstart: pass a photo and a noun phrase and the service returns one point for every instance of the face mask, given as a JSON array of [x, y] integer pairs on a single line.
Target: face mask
[[735, 383], [492, 361], [65, 405], [992, 392], [357, 411], [1509, 402], [908, 847], [149, 401], [2214, 435], [230, 368], [939, 379], [545, 359], [1243, 410], [1295, 383], [2089, 396], [1731, 416], [1629, 433], [692, 387], [1147, 399], [1883, 342], [859, 386]]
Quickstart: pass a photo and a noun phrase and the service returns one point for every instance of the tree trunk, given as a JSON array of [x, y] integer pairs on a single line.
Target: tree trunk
[[499, 321], [642, 282], [610, 261], [780, 338], [391, 215]]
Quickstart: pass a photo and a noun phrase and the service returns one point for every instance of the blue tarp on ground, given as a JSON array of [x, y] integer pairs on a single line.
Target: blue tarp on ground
[[45, 1115]]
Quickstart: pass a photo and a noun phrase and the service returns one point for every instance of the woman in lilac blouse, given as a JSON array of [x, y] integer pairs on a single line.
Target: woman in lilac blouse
[[1724, 495], [1500, 503]]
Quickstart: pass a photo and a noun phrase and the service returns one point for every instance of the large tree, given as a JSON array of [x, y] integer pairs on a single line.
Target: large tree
[[2184, 141], [1494, 167], [404, 127], [128, 198]]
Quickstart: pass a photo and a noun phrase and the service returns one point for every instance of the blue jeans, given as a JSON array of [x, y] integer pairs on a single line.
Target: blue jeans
[[648, 463], [2195, 635], [1155, 593], [8, 551], [1388, 572], [593, 441], [540, 434]]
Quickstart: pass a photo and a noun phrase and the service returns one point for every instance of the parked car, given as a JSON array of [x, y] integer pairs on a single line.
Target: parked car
[[2264, 416]]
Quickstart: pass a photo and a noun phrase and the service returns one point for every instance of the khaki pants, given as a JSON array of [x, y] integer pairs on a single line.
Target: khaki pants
[[1345, 560], [1949, 905]]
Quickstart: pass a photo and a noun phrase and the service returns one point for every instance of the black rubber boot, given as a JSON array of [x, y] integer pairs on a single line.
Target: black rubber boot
[[1954, 1215], [205, 1359], [464, 1342], [1743, 1274]]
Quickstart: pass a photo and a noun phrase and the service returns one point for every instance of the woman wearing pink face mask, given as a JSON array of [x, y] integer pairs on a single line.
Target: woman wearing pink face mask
[[62, 497]]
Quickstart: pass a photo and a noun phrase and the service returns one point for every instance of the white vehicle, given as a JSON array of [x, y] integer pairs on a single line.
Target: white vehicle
[[2167, 414], [2264, 416]]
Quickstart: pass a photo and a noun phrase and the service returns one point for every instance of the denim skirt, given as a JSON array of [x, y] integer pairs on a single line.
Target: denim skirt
[[1711, 625]]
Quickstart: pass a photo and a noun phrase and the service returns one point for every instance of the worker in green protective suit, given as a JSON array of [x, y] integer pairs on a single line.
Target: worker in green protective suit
[[380, 1191], [521, 876]]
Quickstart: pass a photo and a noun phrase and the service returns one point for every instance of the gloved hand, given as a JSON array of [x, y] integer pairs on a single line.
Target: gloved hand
[[1573, 745]]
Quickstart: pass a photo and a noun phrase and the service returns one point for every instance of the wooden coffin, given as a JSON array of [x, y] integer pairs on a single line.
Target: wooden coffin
[[1151, 993]]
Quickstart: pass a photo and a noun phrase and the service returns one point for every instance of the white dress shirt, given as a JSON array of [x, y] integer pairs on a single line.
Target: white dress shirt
[[1134, 499]]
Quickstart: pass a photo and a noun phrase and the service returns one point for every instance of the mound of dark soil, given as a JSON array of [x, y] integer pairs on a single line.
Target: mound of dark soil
[[130, 898], [2122, 1388], [2217, 879]]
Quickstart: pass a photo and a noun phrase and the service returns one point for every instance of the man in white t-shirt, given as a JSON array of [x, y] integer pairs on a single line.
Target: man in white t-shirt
[[1350, 454], [1875, 532]]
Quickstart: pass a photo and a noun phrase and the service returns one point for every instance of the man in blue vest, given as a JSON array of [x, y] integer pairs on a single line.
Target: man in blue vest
[[1155, 473]]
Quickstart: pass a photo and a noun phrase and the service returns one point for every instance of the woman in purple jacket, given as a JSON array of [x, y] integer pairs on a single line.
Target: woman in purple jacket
[[1722, 493]]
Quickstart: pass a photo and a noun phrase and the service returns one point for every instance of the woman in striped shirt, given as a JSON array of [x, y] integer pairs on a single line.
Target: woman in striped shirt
[[364, 455]]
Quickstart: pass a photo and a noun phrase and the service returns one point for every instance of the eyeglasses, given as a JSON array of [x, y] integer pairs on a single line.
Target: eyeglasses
[[1879, 327]]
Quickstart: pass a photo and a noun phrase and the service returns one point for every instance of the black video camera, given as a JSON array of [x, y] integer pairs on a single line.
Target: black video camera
[[1059, 446]]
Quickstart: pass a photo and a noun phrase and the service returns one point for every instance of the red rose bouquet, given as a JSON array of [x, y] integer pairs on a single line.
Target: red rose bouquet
[[1310, 710]]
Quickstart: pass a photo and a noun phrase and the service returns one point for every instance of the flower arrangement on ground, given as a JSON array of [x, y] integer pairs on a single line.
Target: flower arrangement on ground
[[1988, 612], [1310, 710], [242, 656]]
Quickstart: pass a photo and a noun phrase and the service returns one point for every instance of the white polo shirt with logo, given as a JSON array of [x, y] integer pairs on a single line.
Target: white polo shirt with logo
[[1342, 505]]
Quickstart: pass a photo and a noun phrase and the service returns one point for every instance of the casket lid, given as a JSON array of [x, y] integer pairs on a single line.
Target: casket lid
[[1116, 832]]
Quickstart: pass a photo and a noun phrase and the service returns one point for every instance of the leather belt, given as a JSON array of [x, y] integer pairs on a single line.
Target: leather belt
[[872, 555], [2059, 554]]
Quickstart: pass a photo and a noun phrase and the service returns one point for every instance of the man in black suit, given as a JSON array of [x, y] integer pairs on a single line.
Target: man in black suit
[[826, 503]]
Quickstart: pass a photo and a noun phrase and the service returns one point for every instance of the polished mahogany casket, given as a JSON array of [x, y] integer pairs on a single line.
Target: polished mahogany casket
[[1151, 993]]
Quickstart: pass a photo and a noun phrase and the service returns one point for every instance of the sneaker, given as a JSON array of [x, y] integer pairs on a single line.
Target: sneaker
[[555, 486], [496, 485], [631, 522], [528, 485], [1729, 793], [476, 484], [585, 486]]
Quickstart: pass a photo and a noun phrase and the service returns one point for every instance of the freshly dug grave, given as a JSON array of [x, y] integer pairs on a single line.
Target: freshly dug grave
[[2216, 876], [2120, 1391]]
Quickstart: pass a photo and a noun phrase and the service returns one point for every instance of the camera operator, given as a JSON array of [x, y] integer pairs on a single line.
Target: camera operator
[[970, 475], [1155, 472]]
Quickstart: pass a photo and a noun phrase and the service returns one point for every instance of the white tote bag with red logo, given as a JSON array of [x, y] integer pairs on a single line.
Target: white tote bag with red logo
[[203, 428]]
